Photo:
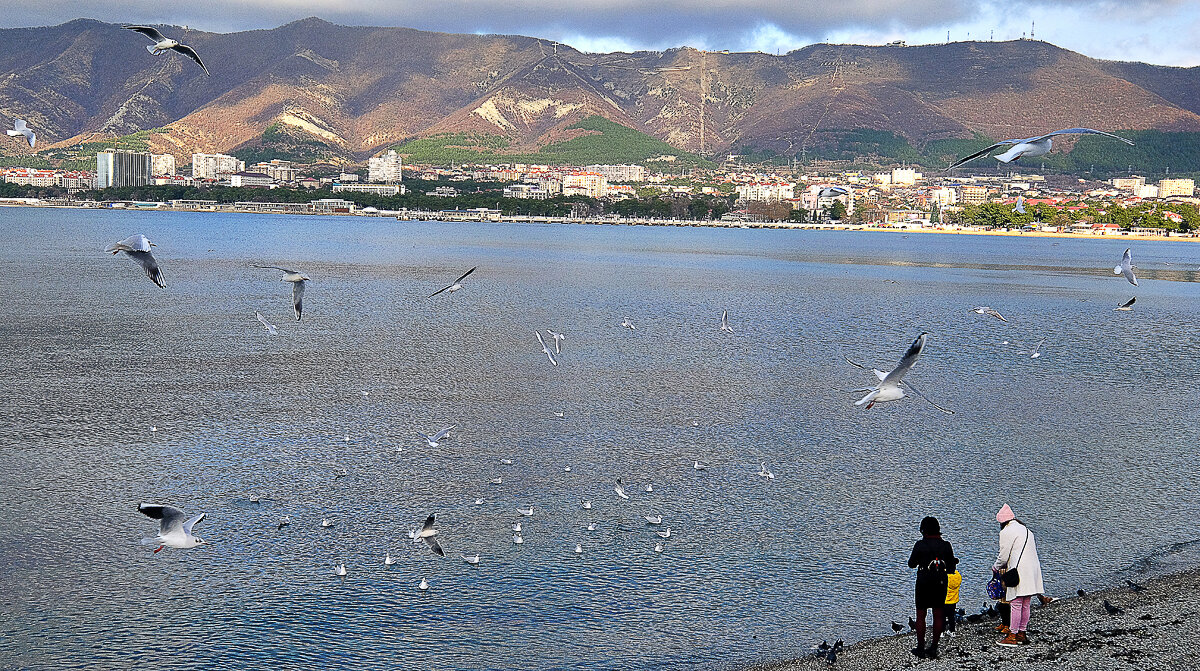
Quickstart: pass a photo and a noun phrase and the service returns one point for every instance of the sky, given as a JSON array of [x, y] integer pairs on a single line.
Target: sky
[[1163, 32]]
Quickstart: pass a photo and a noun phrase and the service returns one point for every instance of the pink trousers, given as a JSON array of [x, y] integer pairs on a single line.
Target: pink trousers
[[1019, 619]]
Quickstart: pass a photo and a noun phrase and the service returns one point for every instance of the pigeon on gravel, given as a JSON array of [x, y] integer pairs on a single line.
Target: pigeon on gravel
[[1112, 610]]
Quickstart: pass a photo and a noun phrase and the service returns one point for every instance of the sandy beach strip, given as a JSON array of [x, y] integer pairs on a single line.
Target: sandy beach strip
[[1159, 629]]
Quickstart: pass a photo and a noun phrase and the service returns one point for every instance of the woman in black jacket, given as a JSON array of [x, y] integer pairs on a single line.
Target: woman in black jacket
[[934, 560]]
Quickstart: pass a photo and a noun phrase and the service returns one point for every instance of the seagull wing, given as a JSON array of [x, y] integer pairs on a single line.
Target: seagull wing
[[440, 290], [1127, 268], [187, 526], [1079, 131], [463, 276], [169, 517], [19, 125], [918, 393], [148, 264], [298, 298], [996, 314], [152, 33], [981, 152], [906, 362], [266, 324], [550, 356], [190, 53], [428, 524], [540, 341], [433, 545], [440, 435], [1130, 302], [276, 268]]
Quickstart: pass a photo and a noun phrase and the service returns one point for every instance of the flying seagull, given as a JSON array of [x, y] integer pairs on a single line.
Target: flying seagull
[[1126, 268], [455, 285], [620, 489], [1031, 146], [889, 383], [1126, 306], [162, 44], [174, 531], [628, 324], [427, 533], [19, 128], [725, 322], [297, 279], [433, 440], [137, 247], [266, 324], [546, 350], [833, 192], [1019, 208], [558, 337], [985, 310]]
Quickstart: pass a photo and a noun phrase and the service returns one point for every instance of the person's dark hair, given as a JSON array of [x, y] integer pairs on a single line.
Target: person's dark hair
[[930, 526]]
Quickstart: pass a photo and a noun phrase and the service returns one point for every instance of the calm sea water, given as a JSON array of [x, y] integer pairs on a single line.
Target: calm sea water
[[1093, 443]]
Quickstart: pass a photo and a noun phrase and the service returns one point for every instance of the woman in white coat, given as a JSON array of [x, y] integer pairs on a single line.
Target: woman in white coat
[[1018, 551]]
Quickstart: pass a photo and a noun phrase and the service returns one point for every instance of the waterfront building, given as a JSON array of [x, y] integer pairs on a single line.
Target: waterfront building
[[122, 168], [215, 166], [251, 179], [766, 191], [590, 184], [379, 189], [1176, 187], [942, 196], [332, 206], [386, 169], [347, 177], [527, 191], [162, 164]]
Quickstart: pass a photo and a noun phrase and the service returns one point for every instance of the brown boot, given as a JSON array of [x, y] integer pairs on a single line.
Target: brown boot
[[1003, 629], [1022, 638], [1010, 641], [1046, 600]]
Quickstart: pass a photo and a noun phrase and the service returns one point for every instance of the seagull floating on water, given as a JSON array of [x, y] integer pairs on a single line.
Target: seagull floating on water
[[433, 441], [545, 350], [658, 547], [516, 527], [985, 310], [591, 526], [665, 533], [1126, 268], [527, 512], [506, 462], [455, 285], [578, 548], [326, 523], [517, 540], [174, 530], [1031, 146], [340, 570], [424, 586], [387, 559], [471, 559], [1126, 306], [762, 471], [479, 502], [654, 519], [153, 429], [297, 279], [19, 128], [496, 480], [628, 324], [137, 247], [162, 44], [699, 466], [587, 505], [649, 487], [283, 522]]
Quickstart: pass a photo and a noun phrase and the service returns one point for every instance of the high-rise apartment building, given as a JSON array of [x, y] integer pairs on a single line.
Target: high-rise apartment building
[[215, 166], [122, 168], [386, 169]]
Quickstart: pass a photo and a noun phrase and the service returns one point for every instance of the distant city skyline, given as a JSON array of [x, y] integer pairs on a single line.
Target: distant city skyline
[[1163, 32]]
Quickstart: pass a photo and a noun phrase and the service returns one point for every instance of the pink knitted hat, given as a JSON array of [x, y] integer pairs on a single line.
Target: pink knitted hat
[[1005, 514]]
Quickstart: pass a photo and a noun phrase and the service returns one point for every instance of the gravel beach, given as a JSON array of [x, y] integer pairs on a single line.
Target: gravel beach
[[1159, 629]]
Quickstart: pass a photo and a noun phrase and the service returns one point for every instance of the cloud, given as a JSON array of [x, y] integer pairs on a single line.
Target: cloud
[[603, 25]]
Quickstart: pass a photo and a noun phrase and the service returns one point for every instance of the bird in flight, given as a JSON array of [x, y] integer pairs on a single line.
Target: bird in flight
[[297, 279], [1019, 208], [174, 529], [137, 247], [266, 324], [1031, 146], [433, 440], [426, 533], [19, 128], [1126, 268], [1126, 306], [546, 350], [725, 322], [889, 383], [985, 310], [558, 337], [455, 285], [162, 44]]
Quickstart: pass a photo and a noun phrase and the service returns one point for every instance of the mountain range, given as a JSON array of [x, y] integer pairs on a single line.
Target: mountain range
[[311, 89]]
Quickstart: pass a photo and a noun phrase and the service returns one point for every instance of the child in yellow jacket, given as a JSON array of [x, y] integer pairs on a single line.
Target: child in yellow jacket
[[953, 582]]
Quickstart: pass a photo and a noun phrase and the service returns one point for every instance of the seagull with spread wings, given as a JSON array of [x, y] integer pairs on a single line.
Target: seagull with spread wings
[[426, 533], [545, 350], [725, 327], [174, 529], [162, 44], [455, 285], [1127, 306], [436, 438], [19, 128], [1126, 268], [297, 279], [137, 247], [889, 382], [1031, 146]]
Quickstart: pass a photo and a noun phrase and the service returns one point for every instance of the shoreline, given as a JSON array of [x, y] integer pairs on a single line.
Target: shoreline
[[467, 216], [1157, 630]]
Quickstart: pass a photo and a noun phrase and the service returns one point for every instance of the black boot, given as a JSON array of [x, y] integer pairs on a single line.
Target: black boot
[[931, 653], [919, 652]]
